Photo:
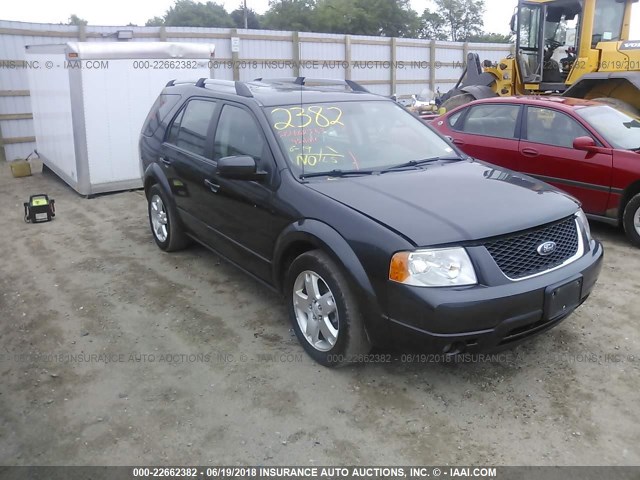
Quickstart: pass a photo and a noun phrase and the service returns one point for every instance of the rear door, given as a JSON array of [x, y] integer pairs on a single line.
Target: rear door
[[489, 132], [186, 157], [546, 152]]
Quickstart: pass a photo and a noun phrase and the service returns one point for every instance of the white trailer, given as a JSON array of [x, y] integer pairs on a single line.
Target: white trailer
[[90, 99]]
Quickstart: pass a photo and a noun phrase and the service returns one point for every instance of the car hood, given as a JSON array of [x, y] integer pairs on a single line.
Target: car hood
[[451, 202]]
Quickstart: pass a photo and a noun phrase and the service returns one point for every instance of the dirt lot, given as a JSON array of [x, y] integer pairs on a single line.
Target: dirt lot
[[114, 353]]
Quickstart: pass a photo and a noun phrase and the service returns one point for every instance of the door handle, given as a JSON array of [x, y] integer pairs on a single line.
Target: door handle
[[457, 141], [165, 161], [529, 152], [214, 187]]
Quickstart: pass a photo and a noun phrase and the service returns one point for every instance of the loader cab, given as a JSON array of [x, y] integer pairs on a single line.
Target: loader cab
[[541, 28], [608, 21]]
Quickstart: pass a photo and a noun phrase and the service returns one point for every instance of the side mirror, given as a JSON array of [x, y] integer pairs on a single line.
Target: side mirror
[[586, 144], [239, 167], [512, 24]]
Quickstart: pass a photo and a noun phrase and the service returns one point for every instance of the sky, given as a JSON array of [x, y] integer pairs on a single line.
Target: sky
[[122, 12]]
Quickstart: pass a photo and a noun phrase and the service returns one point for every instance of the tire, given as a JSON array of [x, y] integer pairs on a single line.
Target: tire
[[619, 105], [339, 336], [457, 101], [631, 220], [163, 220]]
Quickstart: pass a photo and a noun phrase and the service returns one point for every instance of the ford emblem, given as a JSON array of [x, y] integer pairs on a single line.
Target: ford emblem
[[546, 248]]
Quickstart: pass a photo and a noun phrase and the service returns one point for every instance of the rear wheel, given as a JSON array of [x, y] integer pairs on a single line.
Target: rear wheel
[[457, 101], [631, 220], [324, 311], [164, 222], [619, 104]]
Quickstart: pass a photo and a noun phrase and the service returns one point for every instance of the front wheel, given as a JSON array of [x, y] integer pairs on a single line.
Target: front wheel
[[631, 220], [324, 312]]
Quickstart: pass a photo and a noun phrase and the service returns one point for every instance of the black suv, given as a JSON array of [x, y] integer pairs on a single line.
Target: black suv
[[373, 226]]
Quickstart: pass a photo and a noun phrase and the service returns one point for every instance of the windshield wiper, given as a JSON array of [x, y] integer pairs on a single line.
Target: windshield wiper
[[336, 173], [416, 163]]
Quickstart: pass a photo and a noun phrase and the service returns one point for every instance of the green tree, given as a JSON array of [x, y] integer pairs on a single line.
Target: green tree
[[155, 22], [76, 20], [293, 15], [253, 19], [463, 18], [343, 16], [395, 18], [187, 13], [432, 26]]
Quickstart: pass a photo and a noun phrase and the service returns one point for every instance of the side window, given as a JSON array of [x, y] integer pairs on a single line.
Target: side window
[[493, 120], [552, 127], [160, 109], [189, 129], [175, 127], [455, 117], [237, 134]]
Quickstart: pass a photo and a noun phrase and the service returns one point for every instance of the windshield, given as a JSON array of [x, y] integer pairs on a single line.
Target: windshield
[[607, 21], [367, 135], [619, 129]]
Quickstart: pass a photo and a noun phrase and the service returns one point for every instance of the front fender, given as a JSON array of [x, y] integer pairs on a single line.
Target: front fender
[[324, 237]]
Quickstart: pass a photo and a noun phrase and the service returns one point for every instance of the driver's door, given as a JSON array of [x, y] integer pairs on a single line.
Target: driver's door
[[546, 152], [529, 43], [237, 212]]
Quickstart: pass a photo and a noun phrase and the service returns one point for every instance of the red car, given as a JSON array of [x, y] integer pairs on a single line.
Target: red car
[[586, 148]]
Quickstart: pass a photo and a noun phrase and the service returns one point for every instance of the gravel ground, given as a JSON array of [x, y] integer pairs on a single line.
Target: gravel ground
[[115, 353]]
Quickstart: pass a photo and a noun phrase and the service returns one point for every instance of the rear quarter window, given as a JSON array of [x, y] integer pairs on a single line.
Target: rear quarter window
[[159, 110], [453, 119]]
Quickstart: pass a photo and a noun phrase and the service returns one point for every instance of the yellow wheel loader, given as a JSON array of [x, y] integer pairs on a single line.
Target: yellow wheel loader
[[597, 60]]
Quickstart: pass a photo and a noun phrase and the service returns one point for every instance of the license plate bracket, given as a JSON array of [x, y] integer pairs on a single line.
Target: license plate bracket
[[560, 299]]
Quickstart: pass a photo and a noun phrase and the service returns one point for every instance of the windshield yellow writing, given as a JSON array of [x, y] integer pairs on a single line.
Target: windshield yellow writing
[[310, 158], [299, 117]]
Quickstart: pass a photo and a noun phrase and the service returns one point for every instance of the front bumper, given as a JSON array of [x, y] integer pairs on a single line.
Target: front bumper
[[481, 318]]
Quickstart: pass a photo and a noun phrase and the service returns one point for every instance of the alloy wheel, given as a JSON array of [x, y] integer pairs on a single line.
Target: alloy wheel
[[315, 310], [158, 214]]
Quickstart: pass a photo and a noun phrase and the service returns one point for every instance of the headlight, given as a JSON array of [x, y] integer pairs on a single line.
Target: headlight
[[582, 219], [437, 267]]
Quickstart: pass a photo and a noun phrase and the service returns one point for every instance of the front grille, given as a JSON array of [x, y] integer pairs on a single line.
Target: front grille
[[517, 255]]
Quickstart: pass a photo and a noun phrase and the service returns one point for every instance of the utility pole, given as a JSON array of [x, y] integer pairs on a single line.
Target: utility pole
[[246, 20]]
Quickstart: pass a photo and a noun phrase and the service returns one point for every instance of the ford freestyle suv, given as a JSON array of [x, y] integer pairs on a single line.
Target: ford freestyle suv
[[373, 227]]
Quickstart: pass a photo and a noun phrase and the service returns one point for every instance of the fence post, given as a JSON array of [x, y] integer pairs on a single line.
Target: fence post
[[295, 38], [465, 52], [82, 33], [347, 56], [234, 56], [162, 33], [3, 155], [432, 66], [394, 54]]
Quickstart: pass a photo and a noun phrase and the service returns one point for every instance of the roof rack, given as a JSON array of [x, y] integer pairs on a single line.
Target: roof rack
[[316, 82], [174, 82], [239, 88]]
